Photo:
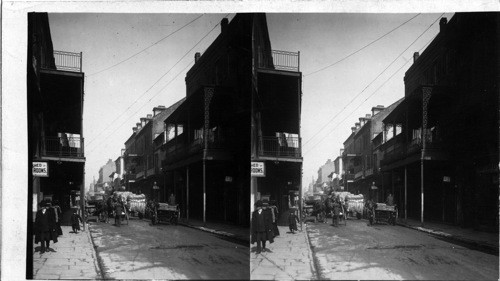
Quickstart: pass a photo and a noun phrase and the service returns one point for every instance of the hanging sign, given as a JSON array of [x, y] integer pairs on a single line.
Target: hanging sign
[[258, 169], [40, 169]]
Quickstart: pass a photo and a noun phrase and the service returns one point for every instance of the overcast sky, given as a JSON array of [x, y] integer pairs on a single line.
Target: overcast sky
[[122, 85]]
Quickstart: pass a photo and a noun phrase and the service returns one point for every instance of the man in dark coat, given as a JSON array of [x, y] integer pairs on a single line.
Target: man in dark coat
[[76, 219], [261, 227], [45, 227], [118, 212], [292, 220]]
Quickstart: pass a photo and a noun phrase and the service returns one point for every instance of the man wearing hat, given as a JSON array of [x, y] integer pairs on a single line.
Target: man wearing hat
[[45, 226], [261, 227]]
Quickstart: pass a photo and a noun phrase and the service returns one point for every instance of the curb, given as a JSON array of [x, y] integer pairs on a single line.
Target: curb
[[491, 249], [97, 260], [312, 258], [224, 234]]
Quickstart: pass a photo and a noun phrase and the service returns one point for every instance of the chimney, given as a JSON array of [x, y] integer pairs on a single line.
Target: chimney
[[362, 121], [415, 56], [368, 116], [442, 24], [138, 125], [197, 57], [134, 129], [377, 109], [143, 121], [149, 116], [358, 125], [353, 129], [223, 24], [158, 109]]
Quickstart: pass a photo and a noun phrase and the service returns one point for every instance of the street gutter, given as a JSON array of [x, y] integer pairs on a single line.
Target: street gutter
[[312, 257], [98, 262]]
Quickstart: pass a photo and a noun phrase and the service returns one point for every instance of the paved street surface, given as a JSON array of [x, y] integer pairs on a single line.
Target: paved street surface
[[142, 251], [72, 257], [289, 258], [358, 251]]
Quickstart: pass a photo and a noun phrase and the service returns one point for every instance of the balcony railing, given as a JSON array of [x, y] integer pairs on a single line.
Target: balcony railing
[[280, 147], [280, 60], [66, 61], [177, 151], [63, 147]]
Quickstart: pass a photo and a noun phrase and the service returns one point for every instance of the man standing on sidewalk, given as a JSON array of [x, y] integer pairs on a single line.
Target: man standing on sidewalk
[[261, 227], [45, 227]]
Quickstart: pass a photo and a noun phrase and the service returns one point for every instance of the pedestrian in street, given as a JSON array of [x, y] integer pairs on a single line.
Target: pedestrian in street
[[336, 211], [275, 214], [390, 200], [260, 227], [292, 220], [45, 227], [58, 214], [76, 219], [370, 209], [118, 212], [171, 199]]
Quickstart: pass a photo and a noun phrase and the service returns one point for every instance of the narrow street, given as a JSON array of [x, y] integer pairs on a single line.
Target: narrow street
[[358, 251], [142, 251]]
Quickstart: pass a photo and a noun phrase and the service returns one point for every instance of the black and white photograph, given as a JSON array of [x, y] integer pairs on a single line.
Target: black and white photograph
[[293, 141]]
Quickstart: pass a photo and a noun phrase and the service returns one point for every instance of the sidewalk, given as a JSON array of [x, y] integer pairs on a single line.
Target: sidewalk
[[236, 233], [290, 258], [483, 240], [72, 257]]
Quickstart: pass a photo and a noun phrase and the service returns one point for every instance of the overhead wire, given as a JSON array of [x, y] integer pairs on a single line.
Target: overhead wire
[[178, 61], [148, 47], [383, 84], [362, 48], [380, 74]]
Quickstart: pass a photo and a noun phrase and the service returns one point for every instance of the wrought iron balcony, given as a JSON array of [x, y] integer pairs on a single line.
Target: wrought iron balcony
[[63, 147], [280, 60], [66, 61], [289, 147]]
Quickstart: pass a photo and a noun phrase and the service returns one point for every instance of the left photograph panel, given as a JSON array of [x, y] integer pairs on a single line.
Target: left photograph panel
[[139, 133]]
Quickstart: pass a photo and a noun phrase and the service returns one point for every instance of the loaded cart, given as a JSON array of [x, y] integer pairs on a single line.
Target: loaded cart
[[385, 213], [164, 212], [355, 205]]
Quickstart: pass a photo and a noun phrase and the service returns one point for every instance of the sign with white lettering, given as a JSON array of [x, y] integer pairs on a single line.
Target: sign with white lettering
[[40, 169], [258, 169]]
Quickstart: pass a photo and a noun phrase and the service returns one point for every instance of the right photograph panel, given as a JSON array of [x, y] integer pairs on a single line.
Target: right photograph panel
[[374, 146]]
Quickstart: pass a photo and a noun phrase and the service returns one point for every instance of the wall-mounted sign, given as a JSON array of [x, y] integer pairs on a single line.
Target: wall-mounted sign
[[229, 179], [258, 169], [40, 169], [446, 179]]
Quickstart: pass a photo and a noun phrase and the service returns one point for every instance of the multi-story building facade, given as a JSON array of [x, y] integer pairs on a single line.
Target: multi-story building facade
[[361, 158], [207, 151], [276, 84], [105, 182], [337, 177], [141, 167], [444, 160], [56, 145], [325, 175], [55, 84]]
